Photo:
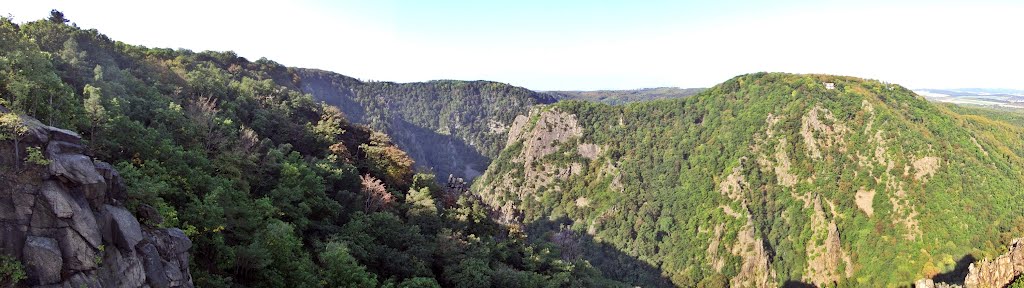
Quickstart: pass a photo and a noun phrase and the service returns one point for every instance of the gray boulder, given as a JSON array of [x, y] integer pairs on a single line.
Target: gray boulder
[[58, 199], [78, 254], [43, 260], [124, 229], [67, 222], [156, 275]]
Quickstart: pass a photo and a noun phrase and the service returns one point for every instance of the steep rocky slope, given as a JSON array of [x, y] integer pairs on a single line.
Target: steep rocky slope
[[1000, 271], [273, 188], [451, 127], [66, 222], [769, 179]]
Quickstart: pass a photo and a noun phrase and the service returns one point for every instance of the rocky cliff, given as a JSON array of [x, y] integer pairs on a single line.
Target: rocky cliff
[[62, 215], [1000, 271], [767, 179]]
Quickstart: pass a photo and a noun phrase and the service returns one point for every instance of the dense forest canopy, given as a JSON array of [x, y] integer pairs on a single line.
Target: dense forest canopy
[[448, 126], [286, 176], [274, 188], [768, 178], [616, 97]]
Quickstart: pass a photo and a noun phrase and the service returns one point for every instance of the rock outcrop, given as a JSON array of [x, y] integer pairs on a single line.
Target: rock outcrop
[[65, 220], [998, 272]]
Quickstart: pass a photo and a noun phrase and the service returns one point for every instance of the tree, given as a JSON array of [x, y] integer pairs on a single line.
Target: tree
[[470, 273], [388, 246], [97, 73], [290, 265], [385, 159], [419, 282], [340, 269], [11, 128], [57, 17], [29, 81], [300, 194], [203, 113], [329, 127], [1019, 283], [422, 209], [377, 196], [94, 108]]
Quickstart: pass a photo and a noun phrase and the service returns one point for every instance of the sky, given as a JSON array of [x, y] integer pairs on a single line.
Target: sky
[[584, 45]]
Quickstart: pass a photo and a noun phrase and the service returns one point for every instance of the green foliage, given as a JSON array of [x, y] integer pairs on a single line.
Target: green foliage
[[300, 194], [340, 269], [266, 182], [383, 158], [618, 97], [285, 262], [716, 280], [35, 156], [419, 282], [28, 79], [469, 273], [1019, 283], [451, 127], [387, 246], [673, 157], [11, 271], [11, 127]]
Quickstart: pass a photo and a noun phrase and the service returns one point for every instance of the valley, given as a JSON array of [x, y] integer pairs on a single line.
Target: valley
[[130, 166]]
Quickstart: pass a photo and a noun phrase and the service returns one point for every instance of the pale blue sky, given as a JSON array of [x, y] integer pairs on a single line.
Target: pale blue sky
[[585, 45]]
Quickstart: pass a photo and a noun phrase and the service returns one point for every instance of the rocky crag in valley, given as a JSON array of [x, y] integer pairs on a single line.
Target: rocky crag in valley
[[64, 219], [770, 179], [999, 272]]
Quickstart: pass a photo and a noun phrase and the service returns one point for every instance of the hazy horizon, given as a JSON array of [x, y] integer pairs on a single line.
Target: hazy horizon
[[576, 45]]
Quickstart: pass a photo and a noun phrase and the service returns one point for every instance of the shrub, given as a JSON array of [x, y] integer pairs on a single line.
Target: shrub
[[11, 271]]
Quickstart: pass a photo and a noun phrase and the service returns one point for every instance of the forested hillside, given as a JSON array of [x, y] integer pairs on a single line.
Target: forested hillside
[[274, 188], [764, 180], [452, 127], [616, 97]]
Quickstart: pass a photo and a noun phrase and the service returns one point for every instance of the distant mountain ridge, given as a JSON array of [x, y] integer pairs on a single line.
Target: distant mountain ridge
[[615, 97], [450, 126]]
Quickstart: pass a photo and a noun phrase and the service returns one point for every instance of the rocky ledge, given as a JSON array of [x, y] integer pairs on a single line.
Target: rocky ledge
[[998, 272], [994, 273], [64, 219]]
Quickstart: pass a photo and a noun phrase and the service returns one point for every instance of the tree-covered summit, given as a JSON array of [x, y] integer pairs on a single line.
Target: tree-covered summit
[[768, 178]]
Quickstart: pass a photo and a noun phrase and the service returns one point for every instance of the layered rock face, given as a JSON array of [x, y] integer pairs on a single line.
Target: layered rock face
[[66, 222]]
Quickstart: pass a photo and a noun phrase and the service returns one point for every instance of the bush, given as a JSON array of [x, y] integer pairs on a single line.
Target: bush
[[1019, 283], [11, 271], [35, 156]]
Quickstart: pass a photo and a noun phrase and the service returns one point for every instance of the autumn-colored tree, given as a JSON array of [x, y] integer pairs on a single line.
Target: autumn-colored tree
[[386, 159], [377, 196]]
